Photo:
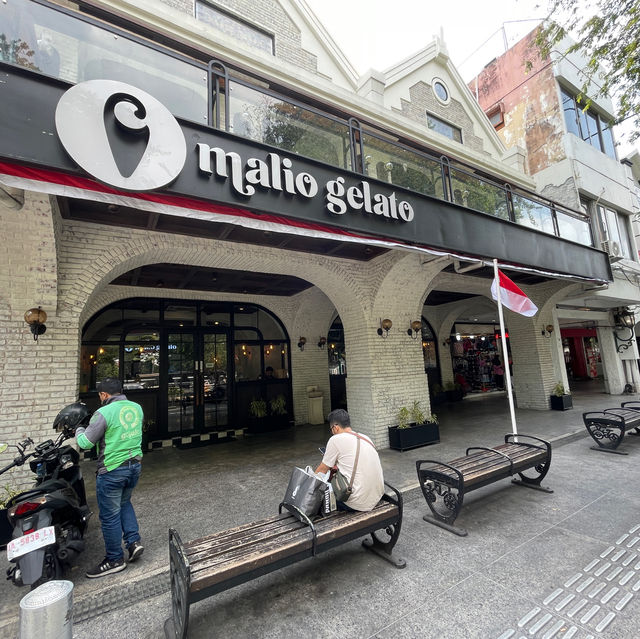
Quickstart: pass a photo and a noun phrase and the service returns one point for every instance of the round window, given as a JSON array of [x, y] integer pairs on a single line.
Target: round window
[[441, 91]]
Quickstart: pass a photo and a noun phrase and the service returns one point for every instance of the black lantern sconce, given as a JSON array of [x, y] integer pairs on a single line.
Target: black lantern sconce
[[301, 342], [36, 318], [416, 327], [385, 327], [321, 342], [547, 330], [623, 334]]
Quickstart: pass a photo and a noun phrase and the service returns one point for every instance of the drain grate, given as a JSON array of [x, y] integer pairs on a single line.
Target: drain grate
[[123, 596]]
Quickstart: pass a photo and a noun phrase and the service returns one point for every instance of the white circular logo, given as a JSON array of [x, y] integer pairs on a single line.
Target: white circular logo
[[81, 125]]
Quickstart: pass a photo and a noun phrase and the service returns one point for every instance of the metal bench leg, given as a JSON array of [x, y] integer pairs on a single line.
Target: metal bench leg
[[176, 626], [445, 502], [383, 548], [607, 434]]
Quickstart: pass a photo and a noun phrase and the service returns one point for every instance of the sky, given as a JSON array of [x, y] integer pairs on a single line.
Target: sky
[[377, 33]]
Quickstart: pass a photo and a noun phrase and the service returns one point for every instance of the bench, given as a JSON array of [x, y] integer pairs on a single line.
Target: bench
[[608, 427], [444, 485], [218, 562]]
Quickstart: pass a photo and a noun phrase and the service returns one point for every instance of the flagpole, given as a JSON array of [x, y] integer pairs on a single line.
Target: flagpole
[[505, 352]]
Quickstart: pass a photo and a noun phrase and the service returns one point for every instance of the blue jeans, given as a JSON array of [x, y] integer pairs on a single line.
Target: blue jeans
[[117, 517]]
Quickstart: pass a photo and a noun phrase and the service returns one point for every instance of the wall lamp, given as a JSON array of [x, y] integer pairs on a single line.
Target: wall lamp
[[416, 327], [624, 321], [385, 326], [36, 318], [321, 342], [301, 342], [547, 330]]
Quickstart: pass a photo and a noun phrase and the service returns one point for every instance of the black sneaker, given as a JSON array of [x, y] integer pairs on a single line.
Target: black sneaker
[[106, 567], [135, 550]]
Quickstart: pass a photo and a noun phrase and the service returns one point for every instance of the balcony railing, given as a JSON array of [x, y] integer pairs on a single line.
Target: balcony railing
[[63, 44]]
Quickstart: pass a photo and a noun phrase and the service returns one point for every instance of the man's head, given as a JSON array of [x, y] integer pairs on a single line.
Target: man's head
[[338, 420], [108, 387], [268, 371]]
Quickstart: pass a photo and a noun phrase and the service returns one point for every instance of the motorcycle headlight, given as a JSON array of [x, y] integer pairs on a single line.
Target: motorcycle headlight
[[66, 462]]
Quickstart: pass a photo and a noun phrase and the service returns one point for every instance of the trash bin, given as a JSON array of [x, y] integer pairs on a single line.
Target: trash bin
[[47, 611], [316, 398]]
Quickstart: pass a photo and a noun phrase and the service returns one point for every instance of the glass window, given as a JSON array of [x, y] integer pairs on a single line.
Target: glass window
[[533, 214], [42, 39], [276, 358], [478, 194], [98, 363], [615, 230], [441, 91], [574, 228], [402, 167], [274, 121], [496, 118], [142, 334], [247, 360], [609, 146], [105, 326], [592, 136], [444, 128], [570, 112], [236, 28], [141, 366], [180, 315], [214, 315]]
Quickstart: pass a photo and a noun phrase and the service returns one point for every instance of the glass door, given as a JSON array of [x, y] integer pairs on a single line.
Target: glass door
[[182, 380], [215, 374]]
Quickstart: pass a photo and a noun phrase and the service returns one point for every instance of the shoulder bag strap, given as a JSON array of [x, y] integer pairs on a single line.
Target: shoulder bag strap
[[355, 465]]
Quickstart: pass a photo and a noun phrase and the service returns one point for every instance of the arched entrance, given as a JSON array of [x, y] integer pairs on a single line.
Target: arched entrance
[[195, 366]]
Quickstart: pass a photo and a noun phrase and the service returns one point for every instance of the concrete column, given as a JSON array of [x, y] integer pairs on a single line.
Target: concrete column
[[614, 377]]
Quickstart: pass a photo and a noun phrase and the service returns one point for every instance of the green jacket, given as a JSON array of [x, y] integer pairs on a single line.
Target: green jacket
[[116, 430]]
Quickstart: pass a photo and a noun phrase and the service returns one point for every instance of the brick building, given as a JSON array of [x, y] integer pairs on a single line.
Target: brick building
[[208, 202], [572, 156]]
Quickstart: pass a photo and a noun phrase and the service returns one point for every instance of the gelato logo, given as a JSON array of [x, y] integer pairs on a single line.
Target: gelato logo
[[81, 121]]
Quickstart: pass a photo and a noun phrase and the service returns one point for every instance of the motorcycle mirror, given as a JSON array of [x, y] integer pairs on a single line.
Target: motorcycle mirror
[[3, 447]]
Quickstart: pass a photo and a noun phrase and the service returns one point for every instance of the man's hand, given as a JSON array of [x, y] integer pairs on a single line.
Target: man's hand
[[322, 469]]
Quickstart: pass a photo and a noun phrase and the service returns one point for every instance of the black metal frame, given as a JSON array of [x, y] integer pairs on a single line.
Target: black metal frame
[[180, 571], [444, 493], [608, 427]]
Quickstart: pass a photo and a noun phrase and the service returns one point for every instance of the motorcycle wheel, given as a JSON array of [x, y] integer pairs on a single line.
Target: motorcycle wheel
[[51, 569]]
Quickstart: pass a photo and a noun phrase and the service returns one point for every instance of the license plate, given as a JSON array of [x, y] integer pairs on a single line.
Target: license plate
[[32, 541]]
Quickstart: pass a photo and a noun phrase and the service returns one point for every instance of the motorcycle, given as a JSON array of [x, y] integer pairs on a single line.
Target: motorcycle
[[49, 520]]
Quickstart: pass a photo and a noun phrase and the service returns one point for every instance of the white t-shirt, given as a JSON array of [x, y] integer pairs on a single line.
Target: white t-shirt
[[368, 483]]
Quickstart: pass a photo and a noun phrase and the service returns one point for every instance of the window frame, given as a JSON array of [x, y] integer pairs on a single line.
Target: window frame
[[444, 123], [583, 120]]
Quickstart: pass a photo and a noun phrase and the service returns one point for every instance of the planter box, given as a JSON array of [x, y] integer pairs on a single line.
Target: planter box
[[454, 395], [413, 437], [564, 402]]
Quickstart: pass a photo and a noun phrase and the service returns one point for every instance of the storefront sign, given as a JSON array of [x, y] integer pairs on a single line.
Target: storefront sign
[[87, 111]]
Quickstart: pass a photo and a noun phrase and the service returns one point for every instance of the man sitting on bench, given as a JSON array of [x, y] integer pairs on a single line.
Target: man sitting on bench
[[368, 482]]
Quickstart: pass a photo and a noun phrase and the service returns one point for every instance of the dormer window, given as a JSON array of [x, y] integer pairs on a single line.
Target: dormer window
[[234, 26], [444, 128]]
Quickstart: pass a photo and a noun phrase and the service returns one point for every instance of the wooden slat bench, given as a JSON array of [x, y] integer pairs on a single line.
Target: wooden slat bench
[[444, 485], [218, 562], [609, 426]]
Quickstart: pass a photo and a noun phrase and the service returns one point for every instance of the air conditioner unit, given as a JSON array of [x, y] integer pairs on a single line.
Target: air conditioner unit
[[614, 250]]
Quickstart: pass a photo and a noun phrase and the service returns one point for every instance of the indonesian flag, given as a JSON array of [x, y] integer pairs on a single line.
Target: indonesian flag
[[512, 296]]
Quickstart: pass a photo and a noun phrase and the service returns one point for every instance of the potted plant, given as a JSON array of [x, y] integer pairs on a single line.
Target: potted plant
[[414, 429], [560, 399], [438, 395], [257, 415], [279, 417]]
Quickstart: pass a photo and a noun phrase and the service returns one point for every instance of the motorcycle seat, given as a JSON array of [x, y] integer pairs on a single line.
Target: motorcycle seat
[[48, 486]]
